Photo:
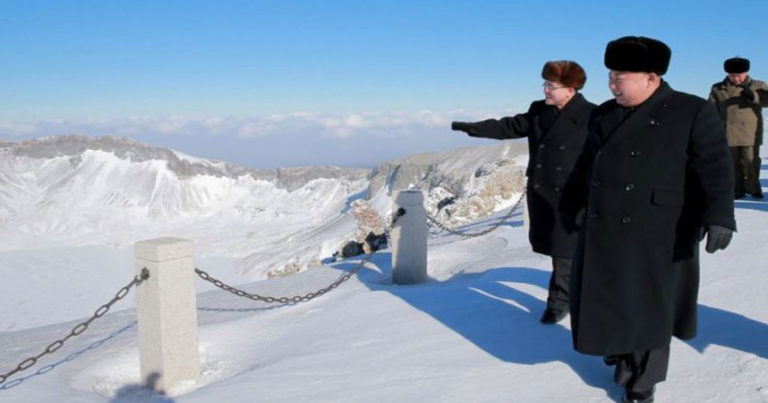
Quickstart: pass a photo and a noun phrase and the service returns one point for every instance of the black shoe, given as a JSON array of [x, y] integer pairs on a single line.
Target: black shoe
[[739, 196], [758, 196], [643, 396], [552, 316]]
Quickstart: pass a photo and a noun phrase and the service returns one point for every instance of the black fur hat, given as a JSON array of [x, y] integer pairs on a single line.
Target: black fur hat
[[736, 65], [638, 54]]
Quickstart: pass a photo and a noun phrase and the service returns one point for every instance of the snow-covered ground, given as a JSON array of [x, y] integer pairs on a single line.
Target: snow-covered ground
[[470, 334]]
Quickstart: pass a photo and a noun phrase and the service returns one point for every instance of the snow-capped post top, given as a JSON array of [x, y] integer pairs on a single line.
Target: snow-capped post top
[[162, 249], [409, 239], [409, 197], [166, 309]]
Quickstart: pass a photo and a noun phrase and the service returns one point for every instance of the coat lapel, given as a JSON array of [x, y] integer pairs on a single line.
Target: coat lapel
[[609, 123], [568, 118], [645, 116]]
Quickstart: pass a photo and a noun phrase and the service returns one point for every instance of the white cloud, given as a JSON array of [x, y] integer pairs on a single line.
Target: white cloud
[[270, 141], [17, 129], [297, 123]]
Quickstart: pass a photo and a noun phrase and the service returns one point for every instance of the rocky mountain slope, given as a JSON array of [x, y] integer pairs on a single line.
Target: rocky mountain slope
[[75, 191]]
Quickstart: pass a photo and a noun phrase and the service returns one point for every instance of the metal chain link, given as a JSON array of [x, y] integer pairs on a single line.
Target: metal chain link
[[80, 328], [299, 298], [466, 234], [138, 279]]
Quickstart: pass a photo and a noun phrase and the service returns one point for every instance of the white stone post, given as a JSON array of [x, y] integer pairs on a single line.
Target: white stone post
[[166, 307], [409, 239]]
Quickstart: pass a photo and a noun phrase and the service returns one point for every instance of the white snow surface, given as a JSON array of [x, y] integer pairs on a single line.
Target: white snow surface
[[470, 334]]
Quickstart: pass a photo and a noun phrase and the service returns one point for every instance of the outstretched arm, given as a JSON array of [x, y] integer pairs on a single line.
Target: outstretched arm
[[506, 128]]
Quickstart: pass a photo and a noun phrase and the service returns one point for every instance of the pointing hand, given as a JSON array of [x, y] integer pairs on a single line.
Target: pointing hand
[[468, 128]]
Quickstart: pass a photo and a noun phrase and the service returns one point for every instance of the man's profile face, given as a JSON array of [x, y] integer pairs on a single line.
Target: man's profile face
[[630, 88], [737, 78], [557, 94]]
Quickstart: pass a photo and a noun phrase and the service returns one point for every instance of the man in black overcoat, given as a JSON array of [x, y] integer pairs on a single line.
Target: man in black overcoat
[[556, 128], [654, 179]]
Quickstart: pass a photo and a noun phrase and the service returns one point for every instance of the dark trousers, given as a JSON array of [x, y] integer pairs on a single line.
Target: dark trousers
[[557, 300], [756, 166], [746, 175], [642, 370]]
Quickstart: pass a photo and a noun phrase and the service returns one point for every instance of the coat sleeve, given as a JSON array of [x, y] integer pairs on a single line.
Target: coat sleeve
[[506, 128], [762, 94], [575, 190], [711, 168], [716, 102], [722, 102], [763, 97], [712, 97]]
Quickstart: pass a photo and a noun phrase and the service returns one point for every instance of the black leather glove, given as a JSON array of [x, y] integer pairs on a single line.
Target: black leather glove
[[717, 237], [465, 127], [747, 94]]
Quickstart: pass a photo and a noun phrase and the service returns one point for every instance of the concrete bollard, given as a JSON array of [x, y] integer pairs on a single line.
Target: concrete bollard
[[166, 307], [409, 239]]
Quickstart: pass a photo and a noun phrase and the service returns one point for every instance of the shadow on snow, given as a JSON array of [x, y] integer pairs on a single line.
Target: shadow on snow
[[141, 393], [759, 205], [730, 329], [71, 357], [490, 312]]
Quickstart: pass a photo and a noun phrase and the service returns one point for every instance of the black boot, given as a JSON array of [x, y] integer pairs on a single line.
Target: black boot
[[643, 396], [552, 316]]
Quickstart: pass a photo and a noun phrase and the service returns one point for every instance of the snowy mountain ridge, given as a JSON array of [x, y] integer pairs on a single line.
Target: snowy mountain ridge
[[77, 190], [183, 165]]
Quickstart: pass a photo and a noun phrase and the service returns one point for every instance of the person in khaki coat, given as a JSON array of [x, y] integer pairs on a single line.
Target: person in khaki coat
[[739, 100]]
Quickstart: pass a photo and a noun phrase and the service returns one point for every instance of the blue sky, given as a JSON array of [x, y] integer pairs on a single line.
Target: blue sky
[[276, 83]]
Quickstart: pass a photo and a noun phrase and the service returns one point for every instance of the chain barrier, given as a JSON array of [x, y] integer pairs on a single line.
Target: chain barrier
[[80, 328], [299, 298], [466, 234], [138, 279]]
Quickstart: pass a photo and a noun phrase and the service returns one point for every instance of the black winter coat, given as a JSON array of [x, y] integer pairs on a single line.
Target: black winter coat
[[555, 139], [649, 182]]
